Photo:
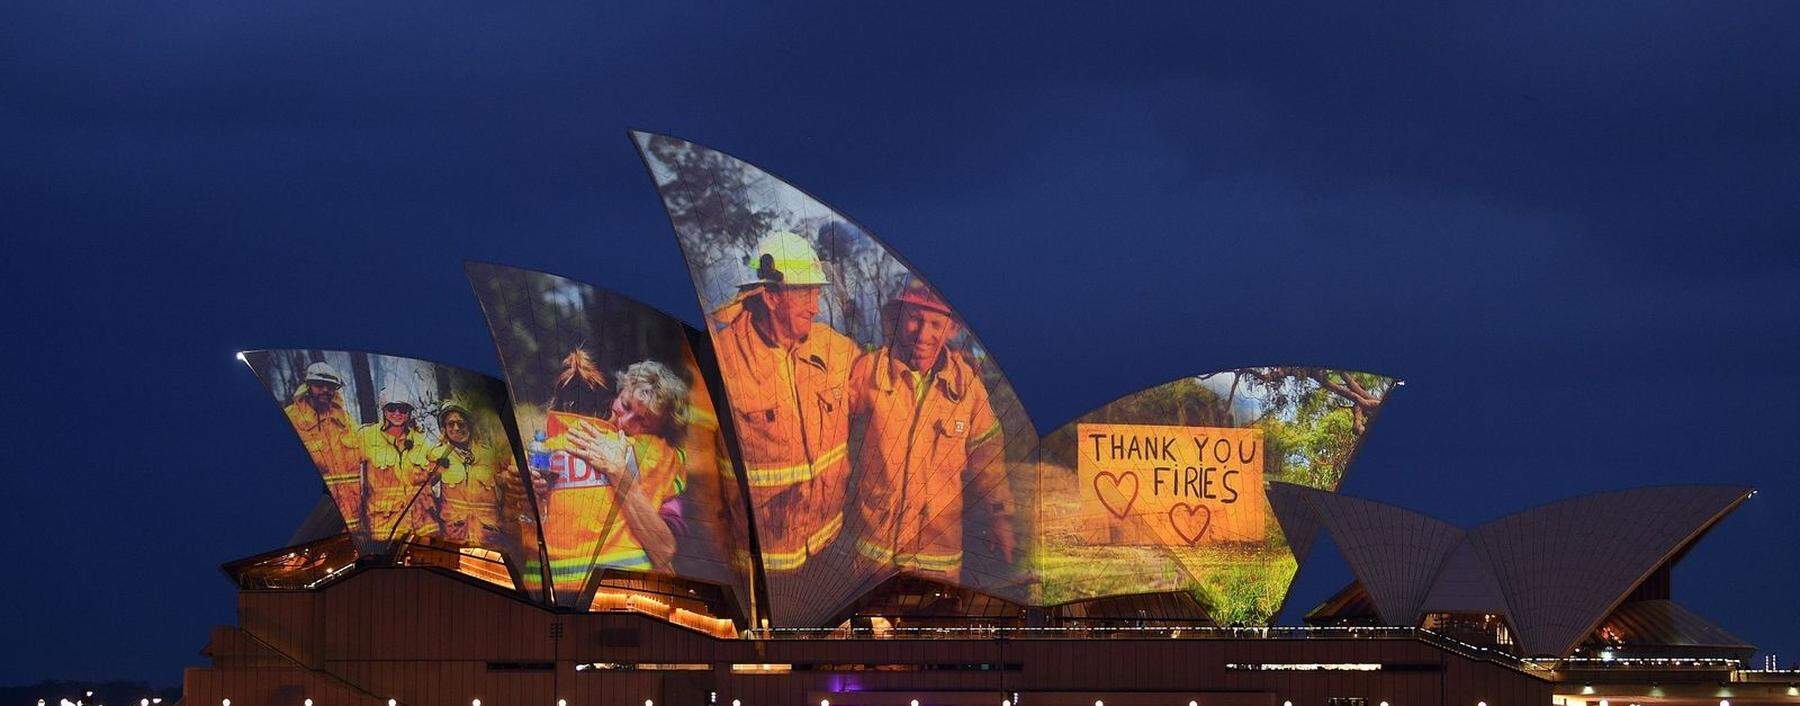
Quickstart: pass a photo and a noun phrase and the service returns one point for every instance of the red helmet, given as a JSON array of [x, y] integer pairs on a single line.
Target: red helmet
[[917, 293]]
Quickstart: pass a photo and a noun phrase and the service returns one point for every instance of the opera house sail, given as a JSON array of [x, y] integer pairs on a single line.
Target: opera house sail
[[826, 491]]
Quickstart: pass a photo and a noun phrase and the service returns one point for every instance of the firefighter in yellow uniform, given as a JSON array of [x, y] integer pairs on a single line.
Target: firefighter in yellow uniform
[[617, 481], [318, 415], [786, 378], [930, 433], [396, 469], [476, 479]]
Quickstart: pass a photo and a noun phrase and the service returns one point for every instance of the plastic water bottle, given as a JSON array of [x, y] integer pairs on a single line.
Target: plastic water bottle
[[537, 453]]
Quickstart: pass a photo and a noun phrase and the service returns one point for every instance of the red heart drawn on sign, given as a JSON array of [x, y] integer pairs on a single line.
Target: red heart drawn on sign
[[1190, 521], [1120, 502]]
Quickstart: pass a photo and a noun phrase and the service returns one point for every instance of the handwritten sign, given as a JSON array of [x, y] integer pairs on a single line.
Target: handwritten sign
[[1171, 485]]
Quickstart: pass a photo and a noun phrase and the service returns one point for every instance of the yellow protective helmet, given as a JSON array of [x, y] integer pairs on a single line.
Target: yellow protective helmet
[[454, 406], [785, 258]]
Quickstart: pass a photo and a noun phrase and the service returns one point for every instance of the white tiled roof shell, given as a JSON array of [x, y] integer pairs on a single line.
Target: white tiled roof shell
[[1555, 571], [1563, 567], [1393, 551]]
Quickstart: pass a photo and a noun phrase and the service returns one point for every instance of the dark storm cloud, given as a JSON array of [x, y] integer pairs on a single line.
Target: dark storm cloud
[[1568, 226]]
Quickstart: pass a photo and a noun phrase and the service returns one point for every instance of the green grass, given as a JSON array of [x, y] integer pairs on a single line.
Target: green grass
[[1237, 585]]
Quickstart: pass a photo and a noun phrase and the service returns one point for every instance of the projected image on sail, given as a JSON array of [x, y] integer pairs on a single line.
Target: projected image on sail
[[412, 452], [624, 443], [879, 435], [1165, 489]]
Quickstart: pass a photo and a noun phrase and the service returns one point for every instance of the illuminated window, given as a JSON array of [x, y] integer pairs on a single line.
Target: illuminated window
[[301, 567], [685, 612], [741, 668], [1304, 667], [644, 667], [484, 564]]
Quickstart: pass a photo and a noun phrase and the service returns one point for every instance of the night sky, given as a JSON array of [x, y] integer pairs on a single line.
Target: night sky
[[1570, 227]]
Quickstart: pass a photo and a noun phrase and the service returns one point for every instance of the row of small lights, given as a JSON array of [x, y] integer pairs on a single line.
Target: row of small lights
[[1235, 632], [737, 702], [1608, 657], [822, 702], [90, 694], [1174, 632]]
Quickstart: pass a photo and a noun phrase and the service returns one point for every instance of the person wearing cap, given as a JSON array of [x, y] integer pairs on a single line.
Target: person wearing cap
[[479, 481], [786, 379], [395, 470], [928, 433], [318, 415]]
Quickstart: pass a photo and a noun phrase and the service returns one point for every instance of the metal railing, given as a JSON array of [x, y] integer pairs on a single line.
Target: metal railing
[[1641, 664], [1092, 632], [1435, 639]]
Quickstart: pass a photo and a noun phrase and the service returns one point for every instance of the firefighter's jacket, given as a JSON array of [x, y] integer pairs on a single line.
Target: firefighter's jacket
[[928, 436], [394, 468], [584, 526], [478, 485], [792, 419], [340, 463]]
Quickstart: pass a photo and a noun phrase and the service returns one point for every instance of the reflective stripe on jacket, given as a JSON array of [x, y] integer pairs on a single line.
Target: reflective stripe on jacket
[[339, 463], [928, 437], [585, 529], [791, 414], [394, 470], [477, 487]]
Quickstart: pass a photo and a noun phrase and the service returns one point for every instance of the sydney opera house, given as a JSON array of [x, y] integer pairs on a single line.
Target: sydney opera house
[[830, 494]]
